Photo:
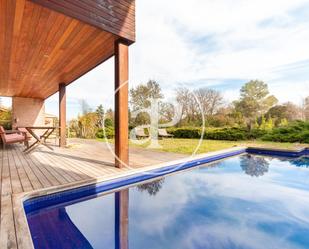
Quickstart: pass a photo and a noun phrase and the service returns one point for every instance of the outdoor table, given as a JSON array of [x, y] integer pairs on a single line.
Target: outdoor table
[[40, 139]]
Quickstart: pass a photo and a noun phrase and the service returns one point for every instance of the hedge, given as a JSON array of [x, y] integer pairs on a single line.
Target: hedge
[[297, 131], [231, 134], [186, 132]]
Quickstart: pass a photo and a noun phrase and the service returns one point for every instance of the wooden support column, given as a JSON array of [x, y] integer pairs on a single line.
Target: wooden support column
[[62, 115], [121, 103]]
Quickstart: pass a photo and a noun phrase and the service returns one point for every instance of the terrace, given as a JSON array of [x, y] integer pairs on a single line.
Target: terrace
[[45, 170], [45, 46]]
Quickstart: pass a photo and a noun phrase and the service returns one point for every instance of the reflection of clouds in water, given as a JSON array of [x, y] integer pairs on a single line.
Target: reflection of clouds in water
[[216, 208], [259, 192], [230, 189], [160, 212], [223, 235]]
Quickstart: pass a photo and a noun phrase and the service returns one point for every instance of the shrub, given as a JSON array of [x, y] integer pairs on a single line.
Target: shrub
[[109, 132], [257, 133], [297, 131], [231, 134], [108, 122], [186, 132], [7, 125]]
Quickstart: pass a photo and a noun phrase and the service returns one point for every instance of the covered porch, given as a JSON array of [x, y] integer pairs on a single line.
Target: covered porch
[[45, 46]]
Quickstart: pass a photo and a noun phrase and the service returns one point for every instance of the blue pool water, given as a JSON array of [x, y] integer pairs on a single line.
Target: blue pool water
[[244, 202]]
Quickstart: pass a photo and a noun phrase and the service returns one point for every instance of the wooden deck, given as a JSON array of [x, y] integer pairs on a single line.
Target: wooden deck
[[83, 161]]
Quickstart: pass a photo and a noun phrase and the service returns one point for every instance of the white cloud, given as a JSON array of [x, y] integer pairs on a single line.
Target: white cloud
[[249, 40], [210, 42]]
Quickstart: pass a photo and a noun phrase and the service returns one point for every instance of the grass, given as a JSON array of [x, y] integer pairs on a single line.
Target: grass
[[187, 146]]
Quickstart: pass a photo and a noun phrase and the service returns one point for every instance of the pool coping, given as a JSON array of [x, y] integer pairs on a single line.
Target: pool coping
[[23, 234]]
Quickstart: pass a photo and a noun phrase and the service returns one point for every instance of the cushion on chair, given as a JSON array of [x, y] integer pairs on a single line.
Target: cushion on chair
[[14, 138]]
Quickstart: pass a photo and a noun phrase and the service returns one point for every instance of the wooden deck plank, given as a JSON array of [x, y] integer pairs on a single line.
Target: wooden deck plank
[[42, 169], [37, 171], [85, 164], [53, 170], [15, 180], [70, 171], [7, 231], [5, 178], [86, 171], [91, 166], [24, 179]]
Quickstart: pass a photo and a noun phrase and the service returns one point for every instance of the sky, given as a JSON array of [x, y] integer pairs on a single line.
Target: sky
[[220, 44]]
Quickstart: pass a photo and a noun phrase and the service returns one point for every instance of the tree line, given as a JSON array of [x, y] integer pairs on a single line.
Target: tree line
[[256, 108]]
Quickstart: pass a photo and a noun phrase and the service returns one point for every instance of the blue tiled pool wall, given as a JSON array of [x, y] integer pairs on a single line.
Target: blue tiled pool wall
[[38, 203], [281, 153]]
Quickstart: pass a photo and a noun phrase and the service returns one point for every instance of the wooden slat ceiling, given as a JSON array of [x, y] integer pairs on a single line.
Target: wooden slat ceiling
[[40, 48], [114, 16]]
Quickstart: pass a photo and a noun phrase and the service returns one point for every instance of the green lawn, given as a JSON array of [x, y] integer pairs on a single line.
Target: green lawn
[[187, 146]]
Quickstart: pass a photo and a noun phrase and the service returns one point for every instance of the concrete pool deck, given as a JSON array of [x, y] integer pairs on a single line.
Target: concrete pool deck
[[42, 172]]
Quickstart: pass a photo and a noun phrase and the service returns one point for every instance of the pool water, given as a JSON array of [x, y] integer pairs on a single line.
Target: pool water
[[242, 202]]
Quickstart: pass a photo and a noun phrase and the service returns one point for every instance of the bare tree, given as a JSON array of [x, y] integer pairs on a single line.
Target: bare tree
[[306, 108], [201, 101], [288, 111], [293, 111], [167, 112], [186, 99], [210, 100]]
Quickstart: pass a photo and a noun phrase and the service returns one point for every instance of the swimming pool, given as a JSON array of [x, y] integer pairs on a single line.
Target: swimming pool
[[248, 201]]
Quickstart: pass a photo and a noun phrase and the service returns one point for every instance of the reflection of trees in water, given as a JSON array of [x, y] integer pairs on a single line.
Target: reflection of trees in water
[[254, 165], [152, 187], [298, 162]]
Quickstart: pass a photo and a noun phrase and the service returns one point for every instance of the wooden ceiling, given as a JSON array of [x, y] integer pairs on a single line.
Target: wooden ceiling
[[114, 16], [41, 47]]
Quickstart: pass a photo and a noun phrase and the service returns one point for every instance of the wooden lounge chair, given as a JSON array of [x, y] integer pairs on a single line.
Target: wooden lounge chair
[[13, 136], [163, 133], [140, 133]]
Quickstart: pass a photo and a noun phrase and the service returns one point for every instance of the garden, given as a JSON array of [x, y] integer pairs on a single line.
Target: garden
[[256, 118]]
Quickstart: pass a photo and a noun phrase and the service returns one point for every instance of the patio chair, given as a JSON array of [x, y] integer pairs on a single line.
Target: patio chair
[[163, 133], [13, 136], [24, 131], [140, 133]]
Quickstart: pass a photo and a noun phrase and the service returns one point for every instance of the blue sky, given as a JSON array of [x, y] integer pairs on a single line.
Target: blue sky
[[219, 44]]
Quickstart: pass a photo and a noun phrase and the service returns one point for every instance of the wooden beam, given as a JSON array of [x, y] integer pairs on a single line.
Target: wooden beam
[[122, 219], [121, 103], [62, 115]]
